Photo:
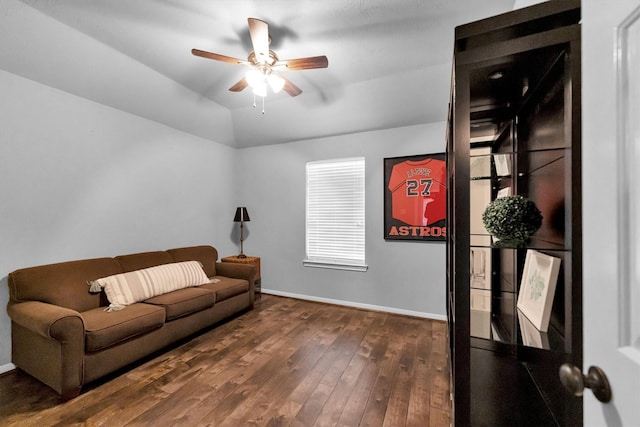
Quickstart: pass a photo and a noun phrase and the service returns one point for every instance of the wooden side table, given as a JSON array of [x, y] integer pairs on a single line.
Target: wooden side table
[[250, 260]]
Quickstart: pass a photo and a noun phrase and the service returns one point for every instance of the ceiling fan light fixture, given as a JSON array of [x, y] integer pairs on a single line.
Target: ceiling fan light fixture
[[254, 78], [263, 62], [260, 89], [276, 82]]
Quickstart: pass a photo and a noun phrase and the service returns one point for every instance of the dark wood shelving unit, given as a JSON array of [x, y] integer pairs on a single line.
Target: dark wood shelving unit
[[514, 128]]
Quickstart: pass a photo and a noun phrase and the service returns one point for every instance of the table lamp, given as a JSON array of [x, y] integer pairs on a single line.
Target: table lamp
[[241, 216]]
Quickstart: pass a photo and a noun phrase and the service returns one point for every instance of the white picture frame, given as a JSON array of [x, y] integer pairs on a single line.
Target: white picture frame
[[537, 288], [503, 192], [503, 164]]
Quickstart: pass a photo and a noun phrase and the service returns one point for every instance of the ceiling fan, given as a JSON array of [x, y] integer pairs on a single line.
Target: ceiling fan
[[265, 65]]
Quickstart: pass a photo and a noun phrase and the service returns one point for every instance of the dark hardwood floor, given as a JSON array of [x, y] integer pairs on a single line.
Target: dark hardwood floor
[[285, 363]]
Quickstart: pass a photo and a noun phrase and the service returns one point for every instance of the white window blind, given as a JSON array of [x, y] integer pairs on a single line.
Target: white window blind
[[335, 232]]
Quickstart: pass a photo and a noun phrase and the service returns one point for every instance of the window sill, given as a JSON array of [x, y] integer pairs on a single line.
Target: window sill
[[335, 265]]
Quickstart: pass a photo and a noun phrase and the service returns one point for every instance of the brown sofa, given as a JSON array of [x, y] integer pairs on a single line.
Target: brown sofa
[[62, 335]]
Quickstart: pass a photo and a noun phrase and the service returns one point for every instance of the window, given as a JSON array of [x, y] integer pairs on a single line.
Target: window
[[335, 214]]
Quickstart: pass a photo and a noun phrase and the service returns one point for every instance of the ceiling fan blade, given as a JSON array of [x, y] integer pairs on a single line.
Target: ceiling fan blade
[[239, 86], [217, 57], [259, 32], [290, 88], [306, 63]]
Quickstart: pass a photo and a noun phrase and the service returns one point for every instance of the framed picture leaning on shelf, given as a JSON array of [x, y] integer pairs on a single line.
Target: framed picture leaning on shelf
[[537, 288], [415, 197]]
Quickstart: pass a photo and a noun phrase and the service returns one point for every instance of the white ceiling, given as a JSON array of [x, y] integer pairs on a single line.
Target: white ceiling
[[389, 61]]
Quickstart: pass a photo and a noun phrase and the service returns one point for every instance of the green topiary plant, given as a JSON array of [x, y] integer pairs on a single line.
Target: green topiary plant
[[512, 219]]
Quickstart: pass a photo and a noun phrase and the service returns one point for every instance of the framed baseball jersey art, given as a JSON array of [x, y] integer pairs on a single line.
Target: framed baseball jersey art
[[415, 198]]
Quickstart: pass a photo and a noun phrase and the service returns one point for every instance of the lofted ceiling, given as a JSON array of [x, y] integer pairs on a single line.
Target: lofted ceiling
[[389, 61]]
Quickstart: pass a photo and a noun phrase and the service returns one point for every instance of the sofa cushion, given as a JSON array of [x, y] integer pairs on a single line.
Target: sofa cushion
[[63, 284], [226, 287], [134, 286], [184, 301], [206, 255], [104, 329], [142, 260]]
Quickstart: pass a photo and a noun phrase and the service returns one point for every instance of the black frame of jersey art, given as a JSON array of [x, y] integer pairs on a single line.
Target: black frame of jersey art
[[415, 197]]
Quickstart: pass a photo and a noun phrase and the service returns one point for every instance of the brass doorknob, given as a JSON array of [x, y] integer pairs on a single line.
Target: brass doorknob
[[572, 379]]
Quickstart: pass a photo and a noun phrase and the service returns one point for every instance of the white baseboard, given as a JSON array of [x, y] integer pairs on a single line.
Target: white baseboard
[[357, 305], [6, 368]]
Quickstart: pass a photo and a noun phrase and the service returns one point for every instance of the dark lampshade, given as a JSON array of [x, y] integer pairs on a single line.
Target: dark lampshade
[[241, 215]]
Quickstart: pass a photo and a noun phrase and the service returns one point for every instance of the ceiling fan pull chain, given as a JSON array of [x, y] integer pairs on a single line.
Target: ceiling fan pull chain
[[263, 104], [254, 100]]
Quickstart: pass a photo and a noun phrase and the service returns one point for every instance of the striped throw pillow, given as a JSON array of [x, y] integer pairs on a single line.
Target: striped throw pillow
[[126, 288]]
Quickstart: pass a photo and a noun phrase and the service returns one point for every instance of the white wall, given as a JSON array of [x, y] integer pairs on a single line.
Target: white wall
[[40, 48], [519, 4], [81, 180], [402, 276]]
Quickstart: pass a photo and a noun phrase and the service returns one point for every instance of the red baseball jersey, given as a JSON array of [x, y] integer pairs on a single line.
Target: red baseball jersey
[[418, 191]]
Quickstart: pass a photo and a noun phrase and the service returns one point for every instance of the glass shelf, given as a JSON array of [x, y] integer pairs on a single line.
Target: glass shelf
[[536, 243], [496, 166], [514, 329], [484, 165], [512, 153]]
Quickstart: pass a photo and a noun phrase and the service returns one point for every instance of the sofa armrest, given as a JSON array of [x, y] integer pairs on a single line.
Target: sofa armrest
[[240, 271], [48, 320], [48, 343], [237, 271]]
